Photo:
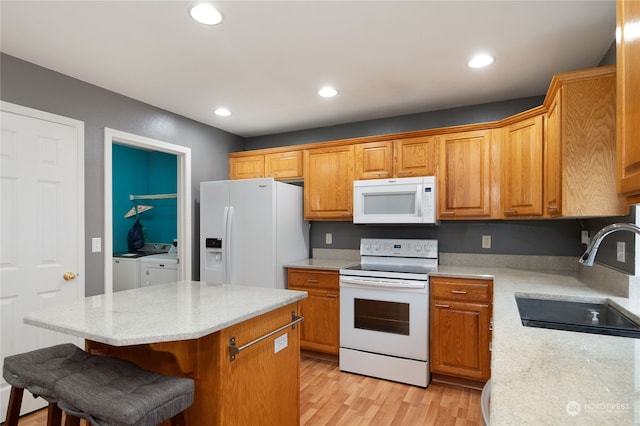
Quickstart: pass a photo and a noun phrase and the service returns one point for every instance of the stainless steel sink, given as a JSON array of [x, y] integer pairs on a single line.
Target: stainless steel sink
[[584, 317]]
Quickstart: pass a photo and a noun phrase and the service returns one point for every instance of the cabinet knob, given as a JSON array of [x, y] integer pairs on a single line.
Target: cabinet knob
[[447, 213], [312, 281], [439, 305], [458, 292]]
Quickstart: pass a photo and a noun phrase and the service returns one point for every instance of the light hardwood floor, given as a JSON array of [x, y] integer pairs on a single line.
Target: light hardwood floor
[[331, 397]]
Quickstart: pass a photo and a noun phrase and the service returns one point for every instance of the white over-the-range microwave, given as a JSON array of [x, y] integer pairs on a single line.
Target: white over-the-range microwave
[[397, 201]]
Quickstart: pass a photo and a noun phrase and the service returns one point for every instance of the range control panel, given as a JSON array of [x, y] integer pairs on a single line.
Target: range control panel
[[398, 248]]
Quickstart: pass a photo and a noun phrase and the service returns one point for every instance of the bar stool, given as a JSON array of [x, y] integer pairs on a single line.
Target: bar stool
[[116, 392], [37, 371]]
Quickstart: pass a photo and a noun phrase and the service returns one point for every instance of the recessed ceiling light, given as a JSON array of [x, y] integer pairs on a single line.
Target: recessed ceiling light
[[222, 112], [327, 92], [480, 61], [206, 14]]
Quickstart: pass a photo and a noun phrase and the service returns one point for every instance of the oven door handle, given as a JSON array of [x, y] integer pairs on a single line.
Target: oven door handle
[[378, 283]]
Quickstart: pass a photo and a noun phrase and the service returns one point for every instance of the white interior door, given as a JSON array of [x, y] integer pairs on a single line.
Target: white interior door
[[42, 225]]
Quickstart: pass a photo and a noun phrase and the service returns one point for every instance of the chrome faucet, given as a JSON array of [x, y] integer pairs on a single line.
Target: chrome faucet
[[589, 255]]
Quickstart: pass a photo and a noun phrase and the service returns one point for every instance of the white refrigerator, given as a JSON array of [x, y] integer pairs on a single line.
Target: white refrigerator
[[249, 228]]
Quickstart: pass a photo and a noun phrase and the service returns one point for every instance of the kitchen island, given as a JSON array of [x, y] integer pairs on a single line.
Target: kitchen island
[[551, 377], [199, 330]]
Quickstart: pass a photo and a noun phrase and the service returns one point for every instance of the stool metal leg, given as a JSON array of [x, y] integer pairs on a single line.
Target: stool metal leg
[[13, 410]]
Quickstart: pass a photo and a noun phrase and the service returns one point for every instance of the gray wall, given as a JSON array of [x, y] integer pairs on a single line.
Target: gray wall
[[35, 87]]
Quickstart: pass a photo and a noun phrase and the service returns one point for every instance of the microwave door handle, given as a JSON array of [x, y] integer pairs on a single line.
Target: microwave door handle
[[419, 201]]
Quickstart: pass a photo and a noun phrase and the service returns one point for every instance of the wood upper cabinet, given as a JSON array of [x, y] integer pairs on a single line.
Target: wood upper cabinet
[[522, 168], [328, 183], [320, 330], [374, 160], [460, 327], [415, 157], [246, 167], [283, 165], [398, 158], [464, 175], [628, 101], [580, 146]]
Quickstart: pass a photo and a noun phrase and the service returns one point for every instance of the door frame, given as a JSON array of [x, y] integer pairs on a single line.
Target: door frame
[[184, 228], [79, 127]]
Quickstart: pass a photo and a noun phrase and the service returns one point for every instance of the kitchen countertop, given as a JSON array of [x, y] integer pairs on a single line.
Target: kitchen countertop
[[551, 377], [322, 264], [161, 313]]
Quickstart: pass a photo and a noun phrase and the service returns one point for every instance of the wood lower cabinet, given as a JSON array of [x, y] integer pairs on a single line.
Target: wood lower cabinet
[[465, 175], [328, 183], [320, 330], [522, 168], [628, 100], [460, 328]]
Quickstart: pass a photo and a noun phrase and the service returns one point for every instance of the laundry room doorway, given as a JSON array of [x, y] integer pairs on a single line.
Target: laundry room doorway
[[156, 179]]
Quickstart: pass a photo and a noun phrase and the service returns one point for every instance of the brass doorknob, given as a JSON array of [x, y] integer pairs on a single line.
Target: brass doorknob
[[68, 276]]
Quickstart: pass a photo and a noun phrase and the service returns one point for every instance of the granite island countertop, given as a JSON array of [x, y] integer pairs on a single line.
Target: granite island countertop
[[161, 313], [552, 377]]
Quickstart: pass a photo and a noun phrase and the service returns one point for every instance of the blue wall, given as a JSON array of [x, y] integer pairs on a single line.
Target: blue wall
[[140, 172]]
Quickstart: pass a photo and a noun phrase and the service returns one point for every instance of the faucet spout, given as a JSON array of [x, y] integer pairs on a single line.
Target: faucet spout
[[590, 254]]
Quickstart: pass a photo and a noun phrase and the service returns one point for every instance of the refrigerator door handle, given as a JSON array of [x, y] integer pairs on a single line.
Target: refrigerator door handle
[[225, 242], [228, 241]]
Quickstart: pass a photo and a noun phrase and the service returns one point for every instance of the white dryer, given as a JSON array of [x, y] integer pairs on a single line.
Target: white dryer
[[158, 269]]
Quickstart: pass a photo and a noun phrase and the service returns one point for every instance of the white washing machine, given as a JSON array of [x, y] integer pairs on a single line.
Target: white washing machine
[[159, 268], [126, 266]]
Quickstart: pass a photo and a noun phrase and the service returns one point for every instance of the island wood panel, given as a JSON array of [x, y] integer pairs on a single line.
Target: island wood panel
[[628, 101], [260, 387]]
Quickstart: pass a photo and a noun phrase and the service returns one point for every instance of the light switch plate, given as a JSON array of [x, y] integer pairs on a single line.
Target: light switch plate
[[486, 241], [328, 238], [96, 245]]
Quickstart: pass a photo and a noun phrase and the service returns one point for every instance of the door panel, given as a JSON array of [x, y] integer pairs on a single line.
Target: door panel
[[42, 229]]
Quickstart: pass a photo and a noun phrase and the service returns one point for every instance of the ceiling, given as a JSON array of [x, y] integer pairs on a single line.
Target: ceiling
[[267, 59]]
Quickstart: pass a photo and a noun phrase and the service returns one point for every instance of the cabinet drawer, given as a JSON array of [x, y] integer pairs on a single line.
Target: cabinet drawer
[[468, 290], [312, 279]]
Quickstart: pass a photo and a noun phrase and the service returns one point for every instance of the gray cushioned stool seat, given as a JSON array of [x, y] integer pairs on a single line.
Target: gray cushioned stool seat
[[39, 370], [117, 392]]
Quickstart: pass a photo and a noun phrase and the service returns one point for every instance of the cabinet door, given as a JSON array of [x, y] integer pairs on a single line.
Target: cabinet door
[[246, 167], [283, 165], [320, 330], [553, 158], [374, 160], [464, 175], [460, 339], [328, 183], [415, 157], [628, 99], [522, 168]]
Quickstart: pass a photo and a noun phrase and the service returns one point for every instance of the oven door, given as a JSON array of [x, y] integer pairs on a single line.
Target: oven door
[[389, 320]]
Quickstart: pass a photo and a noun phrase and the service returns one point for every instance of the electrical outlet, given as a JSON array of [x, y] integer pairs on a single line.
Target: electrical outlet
[[584, 237], [620, 252], [328, 238], [486, 241]]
